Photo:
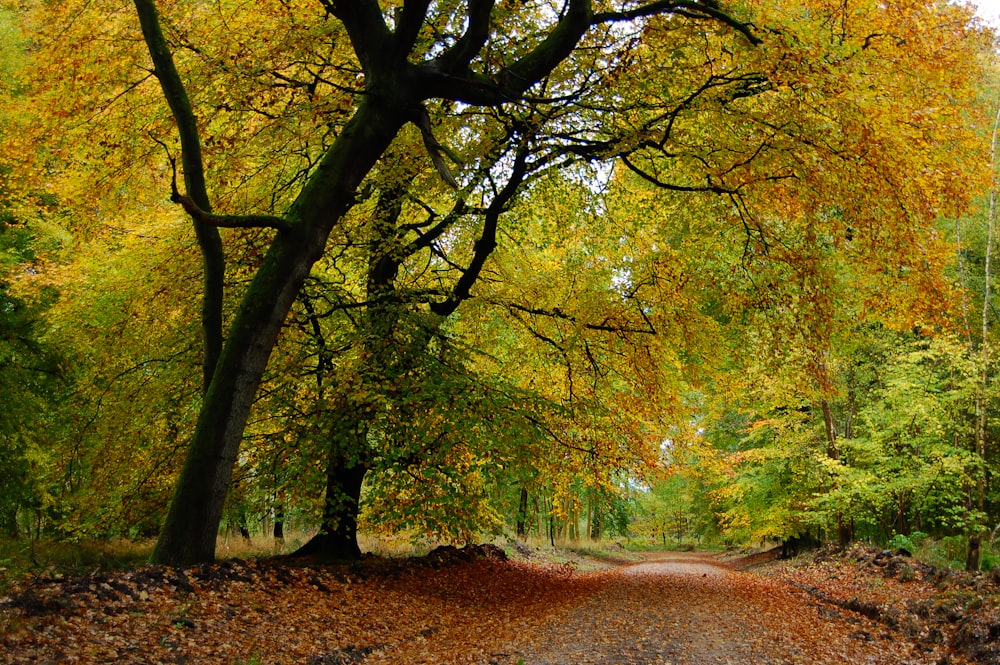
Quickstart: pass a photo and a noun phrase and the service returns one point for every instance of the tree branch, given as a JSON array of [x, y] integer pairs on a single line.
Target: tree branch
[[366, 28], [557, 313], [474, 38], [408, 25], [209, 240], [707, 9], [434, 149], [226, 221], [448, 76], [488, 238], [669, 186], [230, 221]]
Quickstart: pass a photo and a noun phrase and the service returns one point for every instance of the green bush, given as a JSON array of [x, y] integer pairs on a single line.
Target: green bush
[[901, 542], [988, 561]]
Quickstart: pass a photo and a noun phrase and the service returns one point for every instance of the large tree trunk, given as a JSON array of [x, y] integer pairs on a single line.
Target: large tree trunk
[[192, 525]]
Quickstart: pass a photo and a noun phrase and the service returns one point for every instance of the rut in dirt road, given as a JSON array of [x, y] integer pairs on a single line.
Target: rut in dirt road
[[681, 609]]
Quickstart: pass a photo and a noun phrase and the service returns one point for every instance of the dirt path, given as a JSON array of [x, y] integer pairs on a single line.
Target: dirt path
[[689, 608]]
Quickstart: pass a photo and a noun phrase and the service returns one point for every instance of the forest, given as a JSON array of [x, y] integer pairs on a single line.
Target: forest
[[673, 272]]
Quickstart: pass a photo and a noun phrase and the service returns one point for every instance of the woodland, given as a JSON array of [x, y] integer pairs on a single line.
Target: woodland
[[662, 271]]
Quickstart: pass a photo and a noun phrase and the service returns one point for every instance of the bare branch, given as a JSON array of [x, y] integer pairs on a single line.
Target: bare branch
[[604, 326], [488, 238], [648, 177]]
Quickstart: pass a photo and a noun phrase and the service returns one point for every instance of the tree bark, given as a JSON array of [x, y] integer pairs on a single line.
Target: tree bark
[[338, 536], [190, 531]]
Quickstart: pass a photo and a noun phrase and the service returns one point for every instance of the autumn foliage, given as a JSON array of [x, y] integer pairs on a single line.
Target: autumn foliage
[[465, 268]]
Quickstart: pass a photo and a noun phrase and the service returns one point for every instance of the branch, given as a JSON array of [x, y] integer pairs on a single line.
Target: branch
[[176, 97], [449, 76], [366, 28], [669, 186], [557, 313], [225, 221], [434, 149], [473, 40], [705, 9], [209, 240], [488, 238], [230, 221], [428, 237], [540, 61], [408, 24]]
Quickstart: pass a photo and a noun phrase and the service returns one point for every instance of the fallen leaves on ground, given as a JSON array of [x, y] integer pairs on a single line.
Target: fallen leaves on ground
[[949, 615], [688, 609], [458, 606], [268, 612]]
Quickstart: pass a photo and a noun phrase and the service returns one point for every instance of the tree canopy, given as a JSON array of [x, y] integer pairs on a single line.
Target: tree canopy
[[475, 256]]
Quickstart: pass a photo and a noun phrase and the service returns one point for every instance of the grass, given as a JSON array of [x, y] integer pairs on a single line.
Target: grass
[[19, 557]]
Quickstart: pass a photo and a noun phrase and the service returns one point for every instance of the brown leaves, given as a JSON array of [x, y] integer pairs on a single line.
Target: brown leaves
[[241, 611], [454, 608], [944, 612]]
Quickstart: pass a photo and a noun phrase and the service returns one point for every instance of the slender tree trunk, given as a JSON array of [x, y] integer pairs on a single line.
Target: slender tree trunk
[[346, 468], [830, 426], [844, 533], [975, 539], [209, 240], [244, 531], [8, 523], [279, 524], [522, 513]]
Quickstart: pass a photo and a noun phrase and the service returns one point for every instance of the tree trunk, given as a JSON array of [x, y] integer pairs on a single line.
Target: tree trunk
[[338, 537], [975, 549], [975, 540], [192, 524], [8, 523], [845, 531], [279, 524], [522, 513]]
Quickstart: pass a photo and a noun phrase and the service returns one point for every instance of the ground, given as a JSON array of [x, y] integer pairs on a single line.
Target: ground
[[688, 608], [477, 606]]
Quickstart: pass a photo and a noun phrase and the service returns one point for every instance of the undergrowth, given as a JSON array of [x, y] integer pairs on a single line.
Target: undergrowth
[[19, 557]]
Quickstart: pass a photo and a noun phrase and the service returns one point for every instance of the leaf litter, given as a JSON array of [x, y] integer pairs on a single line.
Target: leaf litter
[[469, 605]]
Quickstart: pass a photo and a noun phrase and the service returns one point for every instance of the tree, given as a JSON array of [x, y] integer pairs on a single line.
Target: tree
[[395, 89], [514, 92]]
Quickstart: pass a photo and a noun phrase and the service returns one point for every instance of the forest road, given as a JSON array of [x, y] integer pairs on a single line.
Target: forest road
[[689, 608]]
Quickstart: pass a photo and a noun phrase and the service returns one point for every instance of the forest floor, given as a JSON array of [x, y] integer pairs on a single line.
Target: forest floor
[[477, 606]]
